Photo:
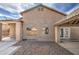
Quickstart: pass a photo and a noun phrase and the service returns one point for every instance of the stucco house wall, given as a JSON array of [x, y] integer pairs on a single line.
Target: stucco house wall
[[40, 19], [75, 33]]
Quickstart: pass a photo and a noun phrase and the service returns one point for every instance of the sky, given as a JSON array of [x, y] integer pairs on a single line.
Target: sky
[[12, 10], [65, 7]]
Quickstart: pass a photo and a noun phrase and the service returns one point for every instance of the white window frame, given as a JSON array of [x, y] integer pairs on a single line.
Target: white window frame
[[66, 32]]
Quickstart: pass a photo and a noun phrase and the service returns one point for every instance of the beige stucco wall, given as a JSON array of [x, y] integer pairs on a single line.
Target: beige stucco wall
[[40, 20], [74, 32]]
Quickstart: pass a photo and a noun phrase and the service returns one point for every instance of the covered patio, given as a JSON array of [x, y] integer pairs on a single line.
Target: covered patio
[[71, 26]]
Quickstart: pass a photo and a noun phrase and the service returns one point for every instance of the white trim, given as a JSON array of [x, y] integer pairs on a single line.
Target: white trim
[[66, 33]]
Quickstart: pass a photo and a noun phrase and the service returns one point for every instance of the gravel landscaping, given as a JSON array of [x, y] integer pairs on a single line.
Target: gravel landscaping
[[40, 48]]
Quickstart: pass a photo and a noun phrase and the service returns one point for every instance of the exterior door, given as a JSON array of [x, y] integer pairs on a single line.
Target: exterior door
[[65, 33]]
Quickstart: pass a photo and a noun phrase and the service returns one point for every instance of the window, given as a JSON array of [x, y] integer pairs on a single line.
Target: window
[[62, 33], [65, 33]]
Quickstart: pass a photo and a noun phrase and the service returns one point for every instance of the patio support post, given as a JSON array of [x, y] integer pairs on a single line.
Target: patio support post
[[18, 31], [57, 34], [0, 31]]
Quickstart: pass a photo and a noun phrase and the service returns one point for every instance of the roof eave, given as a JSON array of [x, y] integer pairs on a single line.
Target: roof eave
[[46, 7]]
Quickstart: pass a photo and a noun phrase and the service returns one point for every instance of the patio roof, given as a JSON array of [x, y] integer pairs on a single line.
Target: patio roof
[[73, 17]]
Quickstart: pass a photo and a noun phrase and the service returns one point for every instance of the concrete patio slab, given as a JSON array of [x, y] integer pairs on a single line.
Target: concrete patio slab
[[9, 51], [7, 48], [71, 46]]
